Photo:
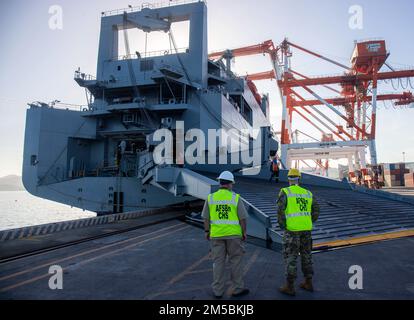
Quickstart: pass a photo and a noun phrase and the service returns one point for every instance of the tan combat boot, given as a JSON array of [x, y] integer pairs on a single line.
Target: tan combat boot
[[307, 285], [289, 288]]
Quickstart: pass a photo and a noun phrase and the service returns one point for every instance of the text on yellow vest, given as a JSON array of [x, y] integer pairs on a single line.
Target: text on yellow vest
[[299, 209], [223, 214]]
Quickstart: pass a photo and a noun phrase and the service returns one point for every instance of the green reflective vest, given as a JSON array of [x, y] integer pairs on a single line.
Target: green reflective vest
[[224, 220], [298, 209]]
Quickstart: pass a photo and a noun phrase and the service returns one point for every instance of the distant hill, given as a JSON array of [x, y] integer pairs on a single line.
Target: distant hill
[[11, 183]]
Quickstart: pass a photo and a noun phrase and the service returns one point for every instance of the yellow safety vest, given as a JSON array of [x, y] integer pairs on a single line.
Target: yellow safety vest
[[298, 209], [224, 220]]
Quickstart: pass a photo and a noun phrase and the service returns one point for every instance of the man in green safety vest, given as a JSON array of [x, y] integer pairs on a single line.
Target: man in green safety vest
[[297, 211], [225, 227]]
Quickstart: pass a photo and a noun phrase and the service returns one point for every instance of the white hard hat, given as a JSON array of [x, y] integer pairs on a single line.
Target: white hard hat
[[227, 176]]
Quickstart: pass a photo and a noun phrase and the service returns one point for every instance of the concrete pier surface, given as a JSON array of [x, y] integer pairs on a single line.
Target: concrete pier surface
[[170, 261]]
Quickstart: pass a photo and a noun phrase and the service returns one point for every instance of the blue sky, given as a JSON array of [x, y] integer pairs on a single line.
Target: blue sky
[[37, 63]]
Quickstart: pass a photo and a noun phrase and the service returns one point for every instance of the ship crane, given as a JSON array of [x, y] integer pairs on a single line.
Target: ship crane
[[347, 122]]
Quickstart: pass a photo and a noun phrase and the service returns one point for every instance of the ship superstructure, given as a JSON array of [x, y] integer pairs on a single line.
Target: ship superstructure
[[101, 158]]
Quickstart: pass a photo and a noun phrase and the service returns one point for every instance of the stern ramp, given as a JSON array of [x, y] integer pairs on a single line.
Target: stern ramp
[[348, 216]]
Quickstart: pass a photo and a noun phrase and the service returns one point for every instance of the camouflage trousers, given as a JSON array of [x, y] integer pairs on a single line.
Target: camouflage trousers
[[295, 244]]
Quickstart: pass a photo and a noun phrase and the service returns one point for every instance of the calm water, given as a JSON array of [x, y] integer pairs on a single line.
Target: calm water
[[20, 209]]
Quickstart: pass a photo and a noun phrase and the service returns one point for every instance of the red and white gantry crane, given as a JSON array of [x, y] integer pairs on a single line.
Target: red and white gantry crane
[[347, 122]]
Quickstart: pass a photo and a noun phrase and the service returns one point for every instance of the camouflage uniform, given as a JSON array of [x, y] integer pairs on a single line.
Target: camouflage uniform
[[295, 243]]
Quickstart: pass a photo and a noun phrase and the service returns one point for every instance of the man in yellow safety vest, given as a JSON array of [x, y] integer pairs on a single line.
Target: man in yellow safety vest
[[297, 211], [225, 227]]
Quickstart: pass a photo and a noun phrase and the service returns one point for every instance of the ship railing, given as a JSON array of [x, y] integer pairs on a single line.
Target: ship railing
[[151, 54], [149, 5], [72, 107], [60, 105], [170, 3], [180, 100], [299, 141], [83, 76]]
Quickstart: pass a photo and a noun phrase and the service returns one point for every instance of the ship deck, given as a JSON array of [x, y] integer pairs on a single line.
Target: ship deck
[[169, 260]]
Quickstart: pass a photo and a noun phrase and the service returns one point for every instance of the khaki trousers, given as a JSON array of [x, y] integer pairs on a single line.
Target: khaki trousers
[[233, 249]]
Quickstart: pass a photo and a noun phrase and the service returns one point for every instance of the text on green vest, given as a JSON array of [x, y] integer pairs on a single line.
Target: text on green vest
[[299, 209], [224, 219]]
